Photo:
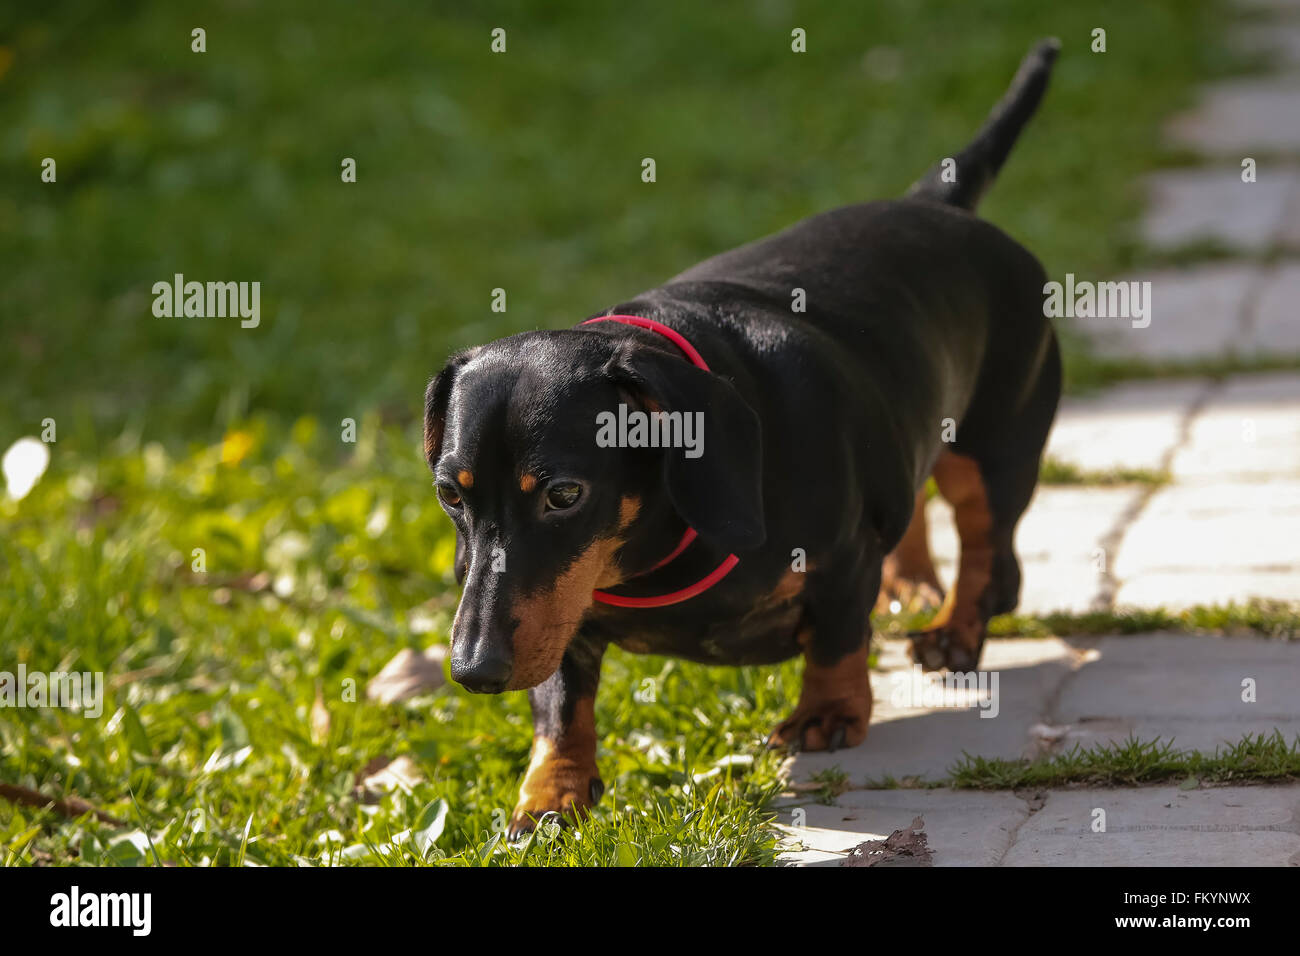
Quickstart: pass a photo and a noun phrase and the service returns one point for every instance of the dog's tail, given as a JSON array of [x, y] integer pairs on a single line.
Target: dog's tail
[[963, 183]]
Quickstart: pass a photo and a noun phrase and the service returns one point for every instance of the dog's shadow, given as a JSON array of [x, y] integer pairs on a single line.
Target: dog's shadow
[[922, 727]]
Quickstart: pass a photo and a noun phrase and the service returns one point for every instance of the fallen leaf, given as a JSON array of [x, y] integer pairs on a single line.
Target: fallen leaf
[[408, 674], [428, 827], [383, 776], [320, 717], [737, 763], [905, 847], [807, 786]]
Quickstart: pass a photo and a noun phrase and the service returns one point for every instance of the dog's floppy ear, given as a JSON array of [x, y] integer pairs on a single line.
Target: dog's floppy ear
[[719, 493], [435, 404]]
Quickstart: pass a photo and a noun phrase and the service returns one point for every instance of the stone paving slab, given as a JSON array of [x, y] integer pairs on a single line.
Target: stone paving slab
[[1131, 425], [1164, 826], [923, 742], [1280, 7], [1289, 236], [1183, 588], [1057, 541], [1145, 826], [1195, 313], [1274, 327], [1194, 205], [1053, 694], [1210, 527], [1237, 117], [1279, 41], [1182, 688], [1249, 429], [1182, 683], [963, 828], [1227, 529]]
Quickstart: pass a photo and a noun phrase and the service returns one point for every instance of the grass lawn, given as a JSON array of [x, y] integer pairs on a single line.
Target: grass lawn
[[228, 733]]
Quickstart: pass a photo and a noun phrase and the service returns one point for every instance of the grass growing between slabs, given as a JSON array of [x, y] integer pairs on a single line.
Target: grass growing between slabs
[[1259, 618], [1279, 620], [1263, 758], [1057, 472], [1088, 372]]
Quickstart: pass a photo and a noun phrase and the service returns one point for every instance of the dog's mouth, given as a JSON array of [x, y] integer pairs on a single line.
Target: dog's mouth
[[492, 668], [549, 619], [541, 623]]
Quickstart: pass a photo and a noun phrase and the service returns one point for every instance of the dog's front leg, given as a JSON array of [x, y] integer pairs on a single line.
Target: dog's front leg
[[562, 774], [834, 708]]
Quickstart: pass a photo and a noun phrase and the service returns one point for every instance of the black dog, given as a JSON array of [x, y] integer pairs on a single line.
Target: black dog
[[834, 367]]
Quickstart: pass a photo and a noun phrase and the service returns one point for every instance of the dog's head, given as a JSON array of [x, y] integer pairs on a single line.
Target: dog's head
[[543, 502]]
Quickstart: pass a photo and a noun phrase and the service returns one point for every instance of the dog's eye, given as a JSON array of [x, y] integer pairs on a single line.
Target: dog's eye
[[563, 494], [449, 495]]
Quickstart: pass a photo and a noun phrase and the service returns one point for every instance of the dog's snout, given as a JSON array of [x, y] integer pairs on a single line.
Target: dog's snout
[[484, 673], [482, 656]]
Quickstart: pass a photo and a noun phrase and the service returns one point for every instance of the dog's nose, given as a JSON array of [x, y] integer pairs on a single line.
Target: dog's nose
[[483, 674]]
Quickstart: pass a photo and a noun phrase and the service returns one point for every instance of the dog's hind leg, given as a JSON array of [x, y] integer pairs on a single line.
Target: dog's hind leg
[[955, 636], [908, 576], [989, 478]]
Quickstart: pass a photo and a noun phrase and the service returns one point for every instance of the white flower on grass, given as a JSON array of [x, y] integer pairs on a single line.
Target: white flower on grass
[[23, 464]]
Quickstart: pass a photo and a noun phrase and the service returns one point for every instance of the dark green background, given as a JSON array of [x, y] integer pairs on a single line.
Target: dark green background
[[478, 171]]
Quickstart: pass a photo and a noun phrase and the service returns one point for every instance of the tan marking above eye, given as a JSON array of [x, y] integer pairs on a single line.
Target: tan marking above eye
[[527, 483], [465, 477]]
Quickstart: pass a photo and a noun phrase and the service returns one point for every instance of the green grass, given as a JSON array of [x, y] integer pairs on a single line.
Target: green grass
[[1258, 618], [1255, 618], [1088, 372], [478, 171], [1057, 472], [1261, 758], [474, 172], [210, 685]]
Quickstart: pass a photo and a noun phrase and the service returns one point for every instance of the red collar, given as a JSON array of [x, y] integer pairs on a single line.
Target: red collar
[[722, 570]]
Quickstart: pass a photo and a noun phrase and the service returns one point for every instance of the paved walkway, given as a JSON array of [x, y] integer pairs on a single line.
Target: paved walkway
[[1224, 527], [1051, 695]]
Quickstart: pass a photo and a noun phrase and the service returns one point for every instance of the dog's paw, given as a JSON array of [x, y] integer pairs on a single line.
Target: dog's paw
[[569, 797], [825, 725], [908, 596], [936, 648]]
